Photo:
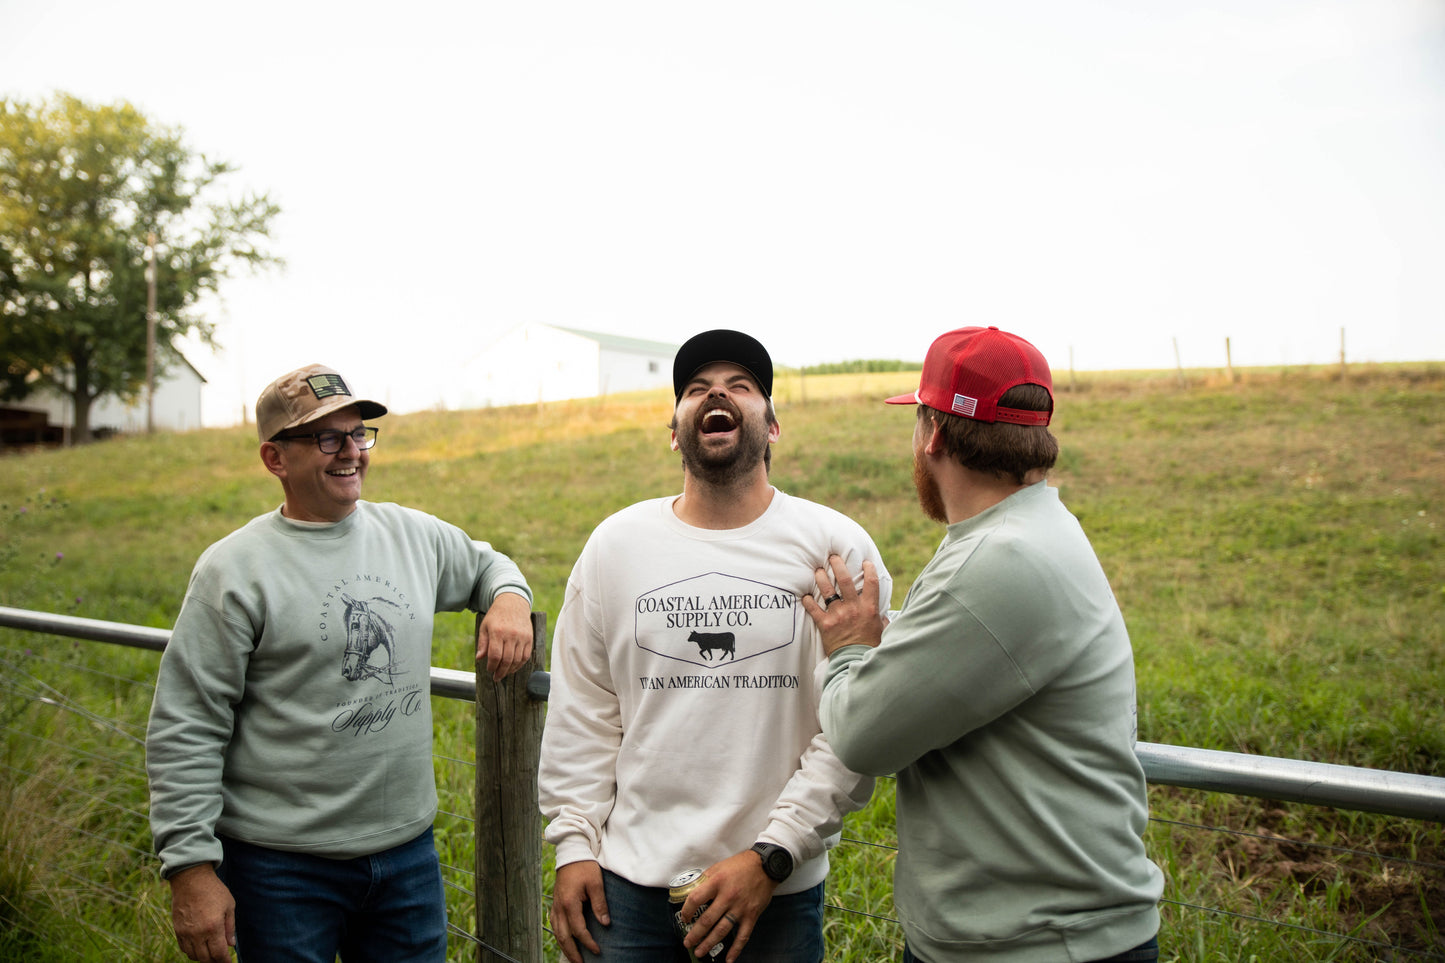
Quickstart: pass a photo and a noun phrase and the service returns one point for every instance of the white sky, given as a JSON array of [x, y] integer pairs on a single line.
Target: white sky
[[843, 179]]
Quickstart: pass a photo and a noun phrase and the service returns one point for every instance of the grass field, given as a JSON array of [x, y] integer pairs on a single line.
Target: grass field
[[1275, 544]]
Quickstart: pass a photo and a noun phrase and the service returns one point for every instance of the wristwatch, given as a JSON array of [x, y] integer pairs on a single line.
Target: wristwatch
[[777, 861]]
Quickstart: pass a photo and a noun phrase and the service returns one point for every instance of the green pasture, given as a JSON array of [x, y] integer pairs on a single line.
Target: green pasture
[[1275, 542]]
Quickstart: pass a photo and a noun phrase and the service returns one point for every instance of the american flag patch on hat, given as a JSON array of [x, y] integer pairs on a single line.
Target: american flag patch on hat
[[327, 385]]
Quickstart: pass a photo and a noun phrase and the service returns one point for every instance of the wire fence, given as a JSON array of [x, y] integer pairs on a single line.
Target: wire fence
[[75, 834]]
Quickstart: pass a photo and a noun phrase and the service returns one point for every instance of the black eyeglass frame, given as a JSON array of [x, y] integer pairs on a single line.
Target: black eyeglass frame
[[363, 437]]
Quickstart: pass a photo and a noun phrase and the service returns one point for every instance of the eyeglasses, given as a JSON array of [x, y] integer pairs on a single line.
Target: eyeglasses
[[332, 441]]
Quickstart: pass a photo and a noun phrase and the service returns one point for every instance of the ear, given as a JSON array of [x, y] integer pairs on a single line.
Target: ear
[[674, 441], [775, 431], [933, 437], [272, 458]]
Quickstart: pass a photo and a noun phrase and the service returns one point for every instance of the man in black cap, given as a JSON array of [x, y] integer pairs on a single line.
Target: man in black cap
[[682, 728]]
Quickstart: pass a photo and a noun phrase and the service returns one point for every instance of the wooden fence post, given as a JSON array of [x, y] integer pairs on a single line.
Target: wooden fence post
[[509, 825]]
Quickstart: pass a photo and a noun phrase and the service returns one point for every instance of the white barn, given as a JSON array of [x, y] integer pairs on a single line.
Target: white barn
[[537, 362], [177, 406]]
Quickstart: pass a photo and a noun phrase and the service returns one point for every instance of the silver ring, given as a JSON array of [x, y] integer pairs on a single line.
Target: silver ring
[[832, 598], [731, 918]]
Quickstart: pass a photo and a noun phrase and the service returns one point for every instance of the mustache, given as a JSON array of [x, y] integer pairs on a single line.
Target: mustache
[[714, 405]]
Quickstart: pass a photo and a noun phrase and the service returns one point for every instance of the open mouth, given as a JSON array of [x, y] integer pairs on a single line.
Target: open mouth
[[716, 420], [342, 472]]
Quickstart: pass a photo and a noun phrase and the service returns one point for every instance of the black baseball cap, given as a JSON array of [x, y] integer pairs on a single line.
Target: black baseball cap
[[721, 344]]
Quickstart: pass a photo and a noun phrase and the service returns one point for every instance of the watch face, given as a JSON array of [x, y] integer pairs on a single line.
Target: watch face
[[777, 862]]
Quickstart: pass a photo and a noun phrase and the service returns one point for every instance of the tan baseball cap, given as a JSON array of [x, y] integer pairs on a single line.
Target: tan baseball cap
[[304, 395]]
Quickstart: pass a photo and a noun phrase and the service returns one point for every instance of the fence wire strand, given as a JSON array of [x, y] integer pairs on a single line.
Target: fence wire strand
[[1343, 937], [32, 690], [112, 761], [1303, 844]]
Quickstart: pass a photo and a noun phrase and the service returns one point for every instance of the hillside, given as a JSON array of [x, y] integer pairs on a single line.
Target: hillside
[[1275, 545]]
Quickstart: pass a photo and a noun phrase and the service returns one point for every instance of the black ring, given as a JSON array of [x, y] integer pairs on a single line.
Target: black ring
[[832, 598]]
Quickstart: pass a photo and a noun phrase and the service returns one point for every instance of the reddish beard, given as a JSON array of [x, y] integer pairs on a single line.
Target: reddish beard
[[929, 497]]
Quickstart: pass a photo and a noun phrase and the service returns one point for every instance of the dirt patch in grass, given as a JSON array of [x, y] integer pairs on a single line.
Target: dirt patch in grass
[[1378, 879]]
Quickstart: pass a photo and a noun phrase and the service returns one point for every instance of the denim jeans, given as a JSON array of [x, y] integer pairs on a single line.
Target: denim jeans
[[301, 908], [1143, 953], [789, 931]]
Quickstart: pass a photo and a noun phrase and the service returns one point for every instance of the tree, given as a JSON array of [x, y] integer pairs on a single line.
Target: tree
[[82, 188]]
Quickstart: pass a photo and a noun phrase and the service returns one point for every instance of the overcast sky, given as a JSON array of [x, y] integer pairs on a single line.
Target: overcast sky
[[841, 179]]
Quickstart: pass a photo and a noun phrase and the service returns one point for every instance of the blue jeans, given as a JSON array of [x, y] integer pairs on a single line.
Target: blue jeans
[[300, 908], [1143, 953], [789, 931]]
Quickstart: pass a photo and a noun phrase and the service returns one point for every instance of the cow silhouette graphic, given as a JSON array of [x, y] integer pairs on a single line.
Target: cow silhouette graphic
[[710, 642]]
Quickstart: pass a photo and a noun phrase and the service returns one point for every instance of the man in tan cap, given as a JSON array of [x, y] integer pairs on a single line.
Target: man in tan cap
[[289, 747]]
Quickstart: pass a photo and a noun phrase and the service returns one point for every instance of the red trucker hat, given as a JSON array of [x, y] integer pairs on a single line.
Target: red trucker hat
[[968, 370]]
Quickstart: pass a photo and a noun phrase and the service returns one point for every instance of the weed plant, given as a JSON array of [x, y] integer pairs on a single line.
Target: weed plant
[[1275, 543]]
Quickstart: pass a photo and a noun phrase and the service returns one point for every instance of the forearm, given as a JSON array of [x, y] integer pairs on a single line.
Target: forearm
[[190, 725], [577, 775], [815, 799]]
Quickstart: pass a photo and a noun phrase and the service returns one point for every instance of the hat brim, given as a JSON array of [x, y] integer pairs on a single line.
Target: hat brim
[[908, 399], [367, 410]]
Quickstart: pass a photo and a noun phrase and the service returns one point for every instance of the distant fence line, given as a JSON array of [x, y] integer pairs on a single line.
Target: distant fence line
[[509, 718]]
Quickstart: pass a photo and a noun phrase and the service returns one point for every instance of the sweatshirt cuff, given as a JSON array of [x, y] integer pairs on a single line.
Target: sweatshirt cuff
[[175, 859], [844, 657], [522, 590], [574, 849]]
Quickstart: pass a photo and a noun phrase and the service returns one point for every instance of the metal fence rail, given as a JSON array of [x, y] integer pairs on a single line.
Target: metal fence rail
[[1293, 780], [1337, 787]]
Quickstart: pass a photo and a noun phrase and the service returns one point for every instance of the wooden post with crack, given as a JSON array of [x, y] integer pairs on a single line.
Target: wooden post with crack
[[510, 714]]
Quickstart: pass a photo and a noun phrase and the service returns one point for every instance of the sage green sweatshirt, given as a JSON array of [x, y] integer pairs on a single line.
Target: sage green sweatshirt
[[1003, 697], [293, 705]]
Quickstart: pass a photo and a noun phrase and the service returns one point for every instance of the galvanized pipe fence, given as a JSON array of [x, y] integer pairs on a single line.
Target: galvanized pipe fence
[[509, 717]]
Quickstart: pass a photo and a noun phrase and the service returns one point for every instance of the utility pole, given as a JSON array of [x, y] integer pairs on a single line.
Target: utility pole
[[151, 333]]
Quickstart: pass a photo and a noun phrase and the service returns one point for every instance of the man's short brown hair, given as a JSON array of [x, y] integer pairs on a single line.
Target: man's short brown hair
[[998, 448]]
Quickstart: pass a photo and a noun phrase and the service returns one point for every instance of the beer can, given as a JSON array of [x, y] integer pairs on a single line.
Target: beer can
[[677, 890]]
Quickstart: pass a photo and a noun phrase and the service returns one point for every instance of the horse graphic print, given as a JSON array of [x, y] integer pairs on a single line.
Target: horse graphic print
[[370, 626]]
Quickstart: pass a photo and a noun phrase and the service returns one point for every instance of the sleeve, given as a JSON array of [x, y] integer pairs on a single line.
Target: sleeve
[[577, 775], [472, 573], [938, 674], [201, 680], [809, 812]]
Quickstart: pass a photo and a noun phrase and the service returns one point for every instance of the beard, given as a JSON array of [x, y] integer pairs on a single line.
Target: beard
[[929, 497], [728, 465]]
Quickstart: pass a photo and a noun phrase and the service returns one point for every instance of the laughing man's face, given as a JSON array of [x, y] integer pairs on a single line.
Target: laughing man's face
[[721, 423], [321, 487]]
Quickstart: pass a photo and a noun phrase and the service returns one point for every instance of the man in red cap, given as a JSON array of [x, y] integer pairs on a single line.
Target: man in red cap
[[1002, 694], [290, 740]]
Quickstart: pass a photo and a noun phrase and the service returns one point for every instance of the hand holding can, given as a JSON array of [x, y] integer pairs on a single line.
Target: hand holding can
[[677, 890]]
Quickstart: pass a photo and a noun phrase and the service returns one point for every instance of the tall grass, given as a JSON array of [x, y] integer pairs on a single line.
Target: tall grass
[[1275, 545]]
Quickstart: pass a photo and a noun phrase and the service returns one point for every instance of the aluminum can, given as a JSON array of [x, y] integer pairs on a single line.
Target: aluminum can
[[677, 890]]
